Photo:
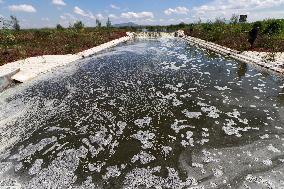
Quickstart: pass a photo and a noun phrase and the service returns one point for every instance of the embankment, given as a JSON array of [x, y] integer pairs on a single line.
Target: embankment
[[27, 69]]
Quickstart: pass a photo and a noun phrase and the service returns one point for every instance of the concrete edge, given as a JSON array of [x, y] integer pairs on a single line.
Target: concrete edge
[[276, 66], [10, 73]]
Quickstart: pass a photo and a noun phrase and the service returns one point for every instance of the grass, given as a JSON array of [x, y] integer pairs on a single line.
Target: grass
[[16, 45], [236, 36]]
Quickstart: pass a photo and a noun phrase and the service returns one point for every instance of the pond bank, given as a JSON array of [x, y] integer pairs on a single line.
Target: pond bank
[[27, 69], [259, 58]]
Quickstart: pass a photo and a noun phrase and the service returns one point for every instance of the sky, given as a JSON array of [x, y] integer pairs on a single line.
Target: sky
[[49, 13]]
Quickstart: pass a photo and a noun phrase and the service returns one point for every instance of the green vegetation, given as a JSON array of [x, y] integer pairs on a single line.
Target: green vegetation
[[59, 27], [98, 23], [78, 25], [267, 35], [108, 23], [15, 23], [18, 44], [235, 33]]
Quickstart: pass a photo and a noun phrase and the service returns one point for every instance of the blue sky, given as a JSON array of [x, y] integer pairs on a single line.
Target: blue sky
[[48, 13]]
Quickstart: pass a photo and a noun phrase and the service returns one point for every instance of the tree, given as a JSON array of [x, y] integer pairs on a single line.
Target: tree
[[220, 21], [234, 19], [15, 23], [258, 24], [273, 28], [243, 18], [78, 25], [199, 21], [108, 23], [98, 23], [2, 22], [59, 27], [181, 25]]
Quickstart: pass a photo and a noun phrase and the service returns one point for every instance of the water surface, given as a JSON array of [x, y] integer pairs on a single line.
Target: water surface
[[148, 114]]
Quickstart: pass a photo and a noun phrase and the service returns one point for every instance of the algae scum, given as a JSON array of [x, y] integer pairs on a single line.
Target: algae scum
[[149, 114]]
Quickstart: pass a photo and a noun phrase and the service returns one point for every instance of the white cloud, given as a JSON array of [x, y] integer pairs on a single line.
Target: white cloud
[[59, 2], [22, 8], [177, 10], [114, 6], [225, 8], [83, 13], [149, 20], [112, 16], [45, 19], [130, 15], [79, 11], [67, 16], [100, 16], [67, 19], [229, 5], [1, 1]]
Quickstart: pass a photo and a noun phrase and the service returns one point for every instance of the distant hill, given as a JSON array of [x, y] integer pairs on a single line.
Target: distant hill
[[128, 24]]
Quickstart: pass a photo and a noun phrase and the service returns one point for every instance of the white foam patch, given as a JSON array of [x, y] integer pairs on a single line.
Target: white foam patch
[[192, 114], [143, 122], [60, 173], [177, 125], [31, 149], [143, 157], [146, 138], [112, 171], [147, 177]]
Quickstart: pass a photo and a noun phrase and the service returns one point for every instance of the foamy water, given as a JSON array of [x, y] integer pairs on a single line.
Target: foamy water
[[149, 114]]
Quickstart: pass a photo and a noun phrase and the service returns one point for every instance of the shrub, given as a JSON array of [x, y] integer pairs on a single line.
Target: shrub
[[207, 26], [7, 38], [220, 21], [273, 28], [258, 24], [181, 25], [234, 19], [78, 25], [41, 34]]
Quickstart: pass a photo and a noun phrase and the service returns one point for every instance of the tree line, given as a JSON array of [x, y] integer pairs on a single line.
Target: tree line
[[14, 23]]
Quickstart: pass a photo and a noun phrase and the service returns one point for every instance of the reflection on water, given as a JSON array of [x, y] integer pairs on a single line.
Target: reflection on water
[[150, 114], [242, 70]]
